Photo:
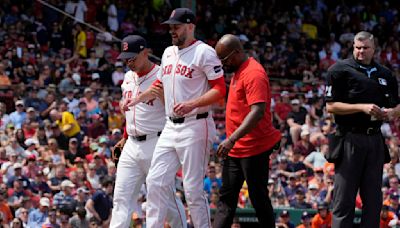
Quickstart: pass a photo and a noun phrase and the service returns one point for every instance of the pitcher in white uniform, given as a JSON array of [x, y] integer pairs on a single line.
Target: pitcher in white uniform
[[192, 77], [144, 123]]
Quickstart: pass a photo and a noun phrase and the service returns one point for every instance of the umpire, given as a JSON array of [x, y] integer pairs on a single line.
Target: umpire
[[359, 92]]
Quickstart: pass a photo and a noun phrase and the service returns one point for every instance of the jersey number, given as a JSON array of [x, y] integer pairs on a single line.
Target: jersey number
[[328, 90]]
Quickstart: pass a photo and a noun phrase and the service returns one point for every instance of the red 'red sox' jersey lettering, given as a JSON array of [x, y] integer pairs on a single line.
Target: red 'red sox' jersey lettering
[[167, 69], [180, 69]]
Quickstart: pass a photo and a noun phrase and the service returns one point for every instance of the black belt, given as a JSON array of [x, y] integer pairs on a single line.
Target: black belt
[[182, 119], [143, 137], [362, 130]]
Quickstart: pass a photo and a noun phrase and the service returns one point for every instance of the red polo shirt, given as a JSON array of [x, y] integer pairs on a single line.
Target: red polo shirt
[[250, 85]]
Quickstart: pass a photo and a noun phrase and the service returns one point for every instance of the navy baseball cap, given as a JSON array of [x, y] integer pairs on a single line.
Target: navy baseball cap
[[305, 215], [181, 16], [131, 46]]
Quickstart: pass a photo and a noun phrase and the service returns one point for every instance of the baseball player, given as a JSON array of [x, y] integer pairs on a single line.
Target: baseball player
[[144, 123], [192, 78]]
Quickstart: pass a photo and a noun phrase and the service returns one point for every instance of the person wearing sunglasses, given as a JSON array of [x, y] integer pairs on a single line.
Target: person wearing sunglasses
[[251, 137]]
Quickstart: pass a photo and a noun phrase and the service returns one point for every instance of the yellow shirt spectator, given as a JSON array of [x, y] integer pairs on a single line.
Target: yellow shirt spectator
[[310, 30], [81, 44], [68, 125], [115, 121]]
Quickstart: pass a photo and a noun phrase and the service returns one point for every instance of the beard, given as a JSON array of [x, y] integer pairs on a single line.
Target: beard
[[179, 41]]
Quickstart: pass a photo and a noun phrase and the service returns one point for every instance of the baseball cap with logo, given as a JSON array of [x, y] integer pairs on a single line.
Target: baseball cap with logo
[[181, 16], [131, 46]]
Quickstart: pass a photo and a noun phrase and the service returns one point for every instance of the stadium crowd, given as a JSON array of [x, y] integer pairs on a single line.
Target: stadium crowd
[[55, 70]]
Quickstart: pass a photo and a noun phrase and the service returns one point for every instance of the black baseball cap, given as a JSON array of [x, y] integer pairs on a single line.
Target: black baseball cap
[[131, 46], [181, 16]]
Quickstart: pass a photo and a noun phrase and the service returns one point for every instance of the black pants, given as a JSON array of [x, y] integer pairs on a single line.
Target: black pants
[[361, 169], [255, 171]]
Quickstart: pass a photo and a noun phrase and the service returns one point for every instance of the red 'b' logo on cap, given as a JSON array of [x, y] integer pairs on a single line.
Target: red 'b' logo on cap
[[124, 46], [172, 14]]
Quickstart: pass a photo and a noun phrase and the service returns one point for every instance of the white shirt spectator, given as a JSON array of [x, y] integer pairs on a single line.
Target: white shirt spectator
[[112, 18], [77, 10], [4, 120], [118, 77], [316, 158], [72, 104], [8, 170]]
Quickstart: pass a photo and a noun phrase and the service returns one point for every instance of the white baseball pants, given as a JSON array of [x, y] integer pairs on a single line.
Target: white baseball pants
[[187, 145], [133, 167]]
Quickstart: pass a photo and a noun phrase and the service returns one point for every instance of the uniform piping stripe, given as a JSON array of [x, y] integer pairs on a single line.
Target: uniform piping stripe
[[177, 208], [204, 172]]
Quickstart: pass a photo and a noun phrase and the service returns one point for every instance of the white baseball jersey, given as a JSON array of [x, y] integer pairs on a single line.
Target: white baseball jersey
[[185, 74], [147, 117]]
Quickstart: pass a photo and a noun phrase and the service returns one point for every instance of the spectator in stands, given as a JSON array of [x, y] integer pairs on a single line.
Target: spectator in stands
[[39, 185], [100, 204], [97, 127], [91, 103], [295, 164], [118, 74], [211, 179], [5, 210], [80, 41], [92, 177], [19, 115], [315, 159], [323, 218], [64, 199], [82, 196], [16, 223], [282, 109], [67, 124], [56, 155], [39, 215], [62, 140], [73, 152], [388, 218], [14, 148], [22, 213], [79, 219], [295, 119], [299, 200], [305, 220], [18, 176], [55, 182], [52, 219], [284, 220], [4, 117]]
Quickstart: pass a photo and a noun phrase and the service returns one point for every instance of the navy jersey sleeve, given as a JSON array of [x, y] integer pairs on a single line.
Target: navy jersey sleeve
[[336, 84]]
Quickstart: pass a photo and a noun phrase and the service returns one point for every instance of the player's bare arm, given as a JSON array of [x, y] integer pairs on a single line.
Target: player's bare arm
[[145, 96], [341, 108], [158, 91], [250, 121]]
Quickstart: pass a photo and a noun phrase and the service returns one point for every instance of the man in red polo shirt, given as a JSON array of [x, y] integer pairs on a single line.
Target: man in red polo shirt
[[251, 136]]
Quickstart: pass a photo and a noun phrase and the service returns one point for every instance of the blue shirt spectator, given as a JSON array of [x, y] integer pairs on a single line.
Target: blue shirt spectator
[[38, 216], [19, 115], [211, 181]]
